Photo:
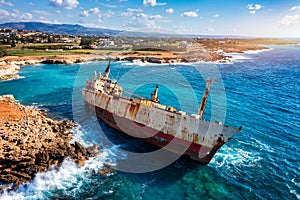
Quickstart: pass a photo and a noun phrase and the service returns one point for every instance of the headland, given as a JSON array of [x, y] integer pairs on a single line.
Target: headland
[[31, 142]]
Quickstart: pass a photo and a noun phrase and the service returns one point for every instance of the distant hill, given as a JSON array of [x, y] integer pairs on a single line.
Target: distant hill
[[67, 29], [71, 29]]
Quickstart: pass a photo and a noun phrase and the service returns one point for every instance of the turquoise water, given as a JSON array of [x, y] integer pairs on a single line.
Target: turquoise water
[[261, 162]]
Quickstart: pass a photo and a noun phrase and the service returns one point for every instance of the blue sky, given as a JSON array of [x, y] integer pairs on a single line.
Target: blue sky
[[277, 18]]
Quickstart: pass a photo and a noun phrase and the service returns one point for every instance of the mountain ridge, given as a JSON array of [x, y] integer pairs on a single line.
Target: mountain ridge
[[79, 30], [63, 29]]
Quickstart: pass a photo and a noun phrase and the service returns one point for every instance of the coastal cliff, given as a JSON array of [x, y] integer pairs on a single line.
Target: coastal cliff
[[31, 142]]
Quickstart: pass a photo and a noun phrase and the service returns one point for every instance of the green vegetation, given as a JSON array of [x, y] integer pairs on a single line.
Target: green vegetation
[[31, 43], [50, 46], [30, 52], [34, 52], [87, 42], [3, 51]]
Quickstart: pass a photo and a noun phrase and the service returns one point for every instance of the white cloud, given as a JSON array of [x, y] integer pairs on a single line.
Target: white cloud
[[170, 10], [56, 22], [31, 4], [290, 20], [149, 17], [84, 13], [130, 12], [42, 12], [142, 20], [6, 3], [3, 13], [14, 15], [210, 30], [125, 14], [142, 15], [67, 4], [139, 23], [217, 15], [155, 17], [295, 8], [89, 12], [190, 14], [253, 8], [26, 16], [44, 20], [108, 5], [108, 13], [152, 3], [258, 6], [134, 10]]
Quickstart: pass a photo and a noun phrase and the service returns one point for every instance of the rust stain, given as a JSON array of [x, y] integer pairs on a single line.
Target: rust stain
[[107, 103], [133, 109], [195, 138]]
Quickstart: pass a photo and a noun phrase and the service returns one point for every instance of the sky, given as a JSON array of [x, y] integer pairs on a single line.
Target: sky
[[264, 18]]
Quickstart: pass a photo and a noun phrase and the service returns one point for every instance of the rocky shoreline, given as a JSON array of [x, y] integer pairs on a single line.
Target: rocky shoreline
[[10, 65], [31, 142]]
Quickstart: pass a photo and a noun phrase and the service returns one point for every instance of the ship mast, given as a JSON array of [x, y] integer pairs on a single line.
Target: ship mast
[[154, 96], [107, 71], [204, 98]]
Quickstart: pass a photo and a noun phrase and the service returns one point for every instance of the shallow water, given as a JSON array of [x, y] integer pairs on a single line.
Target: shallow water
[[261, 162]]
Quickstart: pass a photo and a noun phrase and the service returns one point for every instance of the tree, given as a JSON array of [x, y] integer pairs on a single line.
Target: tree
[[13, 44], [3, 51], [86, 42]]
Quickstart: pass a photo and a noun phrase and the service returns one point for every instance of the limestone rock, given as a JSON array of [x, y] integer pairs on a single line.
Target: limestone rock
[[30, 142], [8, 98]]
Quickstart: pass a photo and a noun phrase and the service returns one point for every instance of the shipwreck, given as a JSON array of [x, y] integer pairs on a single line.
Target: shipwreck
[[156, 123]]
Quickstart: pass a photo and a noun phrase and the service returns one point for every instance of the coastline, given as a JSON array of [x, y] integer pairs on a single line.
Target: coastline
[[10, 65], [218, 54], [31, 142]]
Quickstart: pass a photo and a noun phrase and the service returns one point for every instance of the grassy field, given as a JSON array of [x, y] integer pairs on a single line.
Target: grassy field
[[27, 52], [31, 52], [227, 45]]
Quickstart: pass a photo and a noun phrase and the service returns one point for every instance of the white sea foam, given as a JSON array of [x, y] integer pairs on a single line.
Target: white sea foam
[[257, 51], [228, 156], [16, 78], [69, 176], [293, 189], [235, 57], [265, 147], [142, 64]]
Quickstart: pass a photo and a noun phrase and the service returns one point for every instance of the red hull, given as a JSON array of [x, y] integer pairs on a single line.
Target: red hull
[[159, 138]]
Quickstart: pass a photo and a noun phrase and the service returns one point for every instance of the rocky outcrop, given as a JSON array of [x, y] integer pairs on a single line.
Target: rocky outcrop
[[8, 98], [31, 142], [9, 71]]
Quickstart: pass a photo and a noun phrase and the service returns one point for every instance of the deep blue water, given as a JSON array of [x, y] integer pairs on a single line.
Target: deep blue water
[[261, 162]]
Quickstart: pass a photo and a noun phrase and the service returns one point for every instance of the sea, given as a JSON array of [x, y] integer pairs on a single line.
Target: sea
[[259, 91]]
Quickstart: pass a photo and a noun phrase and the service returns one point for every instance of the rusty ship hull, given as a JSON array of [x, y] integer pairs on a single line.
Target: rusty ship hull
[[199, 139], [158, 138]]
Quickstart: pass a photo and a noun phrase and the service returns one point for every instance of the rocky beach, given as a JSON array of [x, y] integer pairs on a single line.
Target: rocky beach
[[31, 142], [199, 50], [10, 65]]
